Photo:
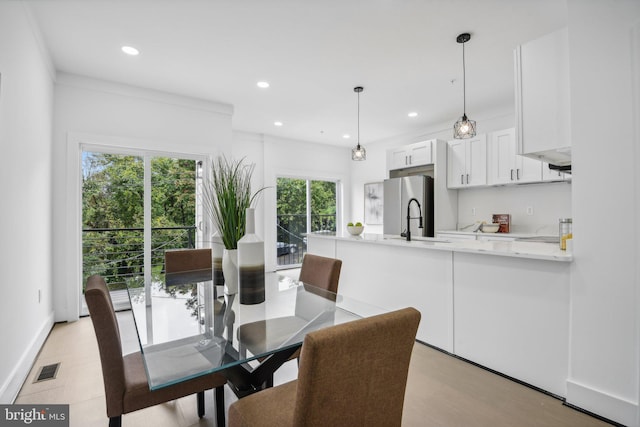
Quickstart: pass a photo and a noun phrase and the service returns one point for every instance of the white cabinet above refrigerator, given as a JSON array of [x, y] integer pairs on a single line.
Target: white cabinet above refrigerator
[[411, 155]]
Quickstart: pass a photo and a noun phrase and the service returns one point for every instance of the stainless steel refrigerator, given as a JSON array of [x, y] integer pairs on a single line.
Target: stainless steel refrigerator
[[397, 193]]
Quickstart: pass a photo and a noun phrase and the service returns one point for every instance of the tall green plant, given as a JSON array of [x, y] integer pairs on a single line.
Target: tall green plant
[[226, 197]]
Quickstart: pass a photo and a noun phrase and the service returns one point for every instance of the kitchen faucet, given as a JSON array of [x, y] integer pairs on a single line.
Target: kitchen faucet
[[409, 218]]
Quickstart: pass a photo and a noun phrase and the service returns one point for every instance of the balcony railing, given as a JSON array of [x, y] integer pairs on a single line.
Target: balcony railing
[[291, 231], [117, 254]]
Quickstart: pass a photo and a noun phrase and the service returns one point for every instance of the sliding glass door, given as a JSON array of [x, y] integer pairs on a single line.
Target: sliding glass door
[[303, 206], [134, 207]]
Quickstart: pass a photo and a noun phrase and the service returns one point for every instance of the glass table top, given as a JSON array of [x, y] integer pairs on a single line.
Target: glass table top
[[187, 330]]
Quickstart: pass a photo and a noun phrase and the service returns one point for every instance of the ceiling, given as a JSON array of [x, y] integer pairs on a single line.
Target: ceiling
[[313, 53]]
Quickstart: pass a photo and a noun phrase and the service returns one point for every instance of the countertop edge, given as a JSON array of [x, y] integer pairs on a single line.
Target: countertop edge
[[505, 249]]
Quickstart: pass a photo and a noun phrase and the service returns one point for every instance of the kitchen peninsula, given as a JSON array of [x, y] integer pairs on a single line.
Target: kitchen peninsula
[[501, 304]]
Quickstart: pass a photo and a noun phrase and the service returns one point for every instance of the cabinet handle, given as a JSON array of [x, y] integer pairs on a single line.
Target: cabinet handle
[[406, 162], [467, 178], [410, 160], [461, 179], [511, 174], [518, 174]]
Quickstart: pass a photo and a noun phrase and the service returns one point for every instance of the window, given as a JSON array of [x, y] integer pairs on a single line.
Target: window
[[303, 206], [134, 207]]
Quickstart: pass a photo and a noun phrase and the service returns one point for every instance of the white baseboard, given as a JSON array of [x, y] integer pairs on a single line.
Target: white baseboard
[[11, 387], [615, 408]]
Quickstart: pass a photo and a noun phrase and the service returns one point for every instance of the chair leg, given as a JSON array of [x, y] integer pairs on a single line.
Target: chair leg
[[269, 382], [219, 395], [201, 404], [115, 421]]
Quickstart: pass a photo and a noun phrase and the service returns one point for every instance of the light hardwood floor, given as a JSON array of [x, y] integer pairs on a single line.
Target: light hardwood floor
[[441, 390]]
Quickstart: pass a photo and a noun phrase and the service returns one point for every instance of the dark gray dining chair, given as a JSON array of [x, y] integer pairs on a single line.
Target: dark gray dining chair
[[320, 272], [188, 265], [125, 380], [352, 374]]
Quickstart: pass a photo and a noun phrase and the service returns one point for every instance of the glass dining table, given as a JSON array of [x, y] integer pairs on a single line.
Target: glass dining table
[[187, 329]]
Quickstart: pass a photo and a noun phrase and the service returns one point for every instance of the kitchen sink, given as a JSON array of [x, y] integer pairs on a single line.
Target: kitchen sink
[[419, 239]]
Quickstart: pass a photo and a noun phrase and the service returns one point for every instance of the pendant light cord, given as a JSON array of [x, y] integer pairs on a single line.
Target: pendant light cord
[[358, 119], [464, 85]]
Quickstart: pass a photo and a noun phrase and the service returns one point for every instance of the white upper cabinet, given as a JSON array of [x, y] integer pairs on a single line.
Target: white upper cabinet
[[542, 98], [467, 162], [416, 154], [505, 166]]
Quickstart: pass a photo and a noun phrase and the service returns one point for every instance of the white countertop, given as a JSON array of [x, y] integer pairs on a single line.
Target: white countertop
[[480, 233], [519, 249]]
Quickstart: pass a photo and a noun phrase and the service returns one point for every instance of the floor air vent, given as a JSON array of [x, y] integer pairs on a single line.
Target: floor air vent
[[48, 372]]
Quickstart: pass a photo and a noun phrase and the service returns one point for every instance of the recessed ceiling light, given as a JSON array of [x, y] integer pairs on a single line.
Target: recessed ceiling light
[[263, 85], [412, 114], [346, 136], [277, 123], [129, 50]]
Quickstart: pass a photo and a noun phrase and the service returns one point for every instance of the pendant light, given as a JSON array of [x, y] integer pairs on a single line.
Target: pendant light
[[464, 128], [358, 153]]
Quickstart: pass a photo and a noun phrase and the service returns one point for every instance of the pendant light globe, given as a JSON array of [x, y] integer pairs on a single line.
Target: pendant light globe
[[358, 153]]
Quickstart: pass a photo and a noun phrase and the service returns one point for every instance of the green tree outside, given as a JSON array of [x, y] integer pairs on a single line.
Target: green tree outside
[[113, 198]]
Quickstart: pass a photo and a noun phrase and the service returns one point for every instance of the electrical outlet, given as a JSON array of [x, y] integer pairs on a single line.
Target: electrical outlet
[[529, 210]]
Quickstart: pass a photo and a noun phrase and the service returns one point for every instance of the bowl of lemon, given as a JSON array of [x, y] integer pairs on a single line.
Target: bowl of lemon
[[355, 229]]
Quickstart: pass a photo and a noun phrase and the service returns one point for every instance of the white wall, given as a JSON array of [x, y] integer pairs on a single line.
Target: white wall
[[549, 200], [300, 159], [90, 111], [250, 147], [605, 357], [26, 98]]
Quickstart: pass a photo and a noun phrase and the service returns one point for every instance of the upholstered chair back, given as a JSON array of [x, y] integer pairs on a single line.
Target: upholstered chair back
[[321, 272], [355, 374], [105, 325], [178, 260]]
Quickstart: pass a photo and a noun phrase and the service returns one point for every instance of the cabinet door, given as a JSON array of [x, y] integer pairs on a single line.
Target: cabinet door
[[502, 157], [528, 170], [420, 153], [507, 167], [456, 163], [476, 154], [398, 158]]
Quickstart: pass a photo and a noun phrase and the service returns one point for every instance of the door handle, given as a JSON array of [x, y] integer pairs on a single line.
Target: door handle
[[462, 179], [467, 178], [511, 174], [518, 174]]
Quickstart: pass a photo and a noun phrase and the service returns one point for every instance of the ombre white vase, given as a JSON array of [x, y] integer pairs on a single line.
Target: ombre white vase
[[251, 263], [230, 271]]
